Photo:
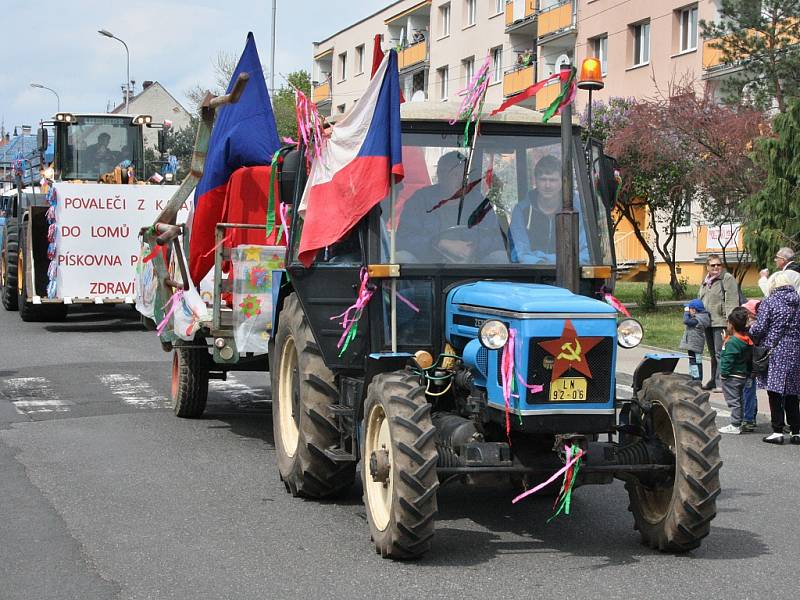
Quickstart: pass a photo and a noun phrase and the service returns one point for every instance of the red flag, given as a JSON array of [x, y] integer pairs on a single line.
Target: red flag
[[377, 59]]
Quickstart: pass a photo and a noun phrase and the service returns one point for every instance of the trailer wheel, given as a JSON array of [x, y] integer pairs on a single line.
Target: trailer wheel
[[676, 516], [189, 392], [8, 269], [28, 311], [399, 465], [302, 390]]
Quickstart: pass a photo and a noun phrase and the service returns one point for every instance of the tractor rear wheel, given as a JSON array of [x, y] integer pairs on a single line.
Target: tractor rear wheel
[[189, 392], [8, 269], [303, 389], [675, 516], [399, 465]]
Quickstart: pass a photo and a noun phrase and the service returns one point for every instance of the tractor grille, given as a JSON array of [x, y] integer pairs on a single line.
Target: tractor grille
[[600, 359]]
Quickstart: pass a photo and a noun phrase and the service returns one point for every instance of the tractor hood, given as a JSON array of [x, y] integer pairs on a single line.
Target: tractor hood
[[524, 298]]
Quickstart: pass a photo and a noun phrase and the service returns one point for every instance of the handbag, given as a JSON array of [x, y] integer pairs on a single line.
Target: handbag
[[761, 354]]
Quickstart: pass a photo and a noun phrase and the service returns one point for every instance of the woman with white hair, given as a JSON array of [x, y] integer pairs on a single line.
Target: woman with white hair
[[777, 327], [785, 263]]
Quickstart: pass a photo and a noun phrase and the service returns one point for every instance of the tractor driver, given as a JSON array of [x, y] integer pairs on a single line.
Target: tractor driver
[[430, 230], [533, 220], [99, 156]]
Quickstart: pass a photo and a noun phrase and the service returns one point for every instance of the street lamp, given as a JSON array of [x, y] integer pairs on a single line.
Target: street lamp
[[108, 34], [44, 87]]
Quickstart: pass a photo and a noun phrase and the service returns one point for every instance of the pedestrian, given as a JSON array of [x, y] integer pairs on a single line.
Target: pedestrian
[[719, 293], [785, 263], [735, 366], [777, 328], [696, 320], [750, 415]]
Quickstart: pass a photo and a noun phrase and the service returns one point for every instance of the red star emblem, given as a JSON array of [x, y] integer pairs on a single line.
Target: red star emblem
[[570, 352]]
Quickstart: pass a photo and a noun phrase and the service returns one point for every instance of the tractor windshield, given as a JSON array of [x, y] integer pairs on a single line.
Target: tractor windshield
[[499, 209], [96, 145]]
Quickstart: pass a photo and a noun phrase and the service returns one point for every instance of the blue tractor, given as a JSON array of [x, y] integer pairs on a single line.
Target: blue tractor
[[469, 362]]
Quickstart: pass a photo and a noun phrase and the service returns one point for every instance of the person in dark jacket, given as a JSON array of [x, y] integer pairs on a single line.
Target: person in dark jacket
[[719, 293], [735, 365], [777, 327], [695, 320]]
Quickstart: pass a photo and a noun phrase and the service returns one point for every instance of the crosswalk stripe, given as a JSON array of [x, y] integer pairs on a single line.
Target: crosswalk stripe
[[34, 395], [237, 392], [133, 390]]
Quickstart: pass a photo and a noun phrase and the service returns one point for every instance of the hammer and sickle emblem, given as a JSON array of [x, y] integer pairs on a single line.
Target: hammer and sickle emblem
[[570, 352]]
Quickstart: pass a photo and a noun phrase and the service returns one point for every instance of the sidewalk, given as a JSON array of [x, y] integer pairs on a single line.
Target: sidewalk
[[628, 360]]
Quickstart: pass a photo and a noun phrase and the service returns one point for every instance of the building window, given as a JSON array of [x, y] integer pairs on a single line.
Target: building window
[[641, 44], [688, 29], [685, 218], [468, 68], [499, 6], [444, 19], [497, 64], [470, 12], [600, 49], [360, 59], [443, 74], [343, 66]]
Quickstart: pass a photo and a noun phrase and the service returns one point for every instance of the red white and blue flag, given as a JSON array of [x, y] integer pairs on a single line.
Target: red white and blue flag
[[244, 135], [357, 163]]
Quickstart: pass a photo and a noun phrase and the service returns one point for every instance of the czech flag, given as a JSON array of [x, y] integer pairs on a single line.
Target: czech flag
[[244, 135], [357, 163]]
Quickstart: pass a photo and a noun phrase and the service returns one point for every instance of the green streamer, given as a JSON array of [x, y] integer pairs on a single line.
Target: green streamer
[[565, 500], [565, 91], [350, 336], [271, 196]]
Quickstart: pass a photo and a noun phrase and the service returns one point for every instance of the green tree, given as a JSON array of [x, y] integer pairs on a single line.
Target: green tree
[[774, 212], [283, 102], [761, 39]]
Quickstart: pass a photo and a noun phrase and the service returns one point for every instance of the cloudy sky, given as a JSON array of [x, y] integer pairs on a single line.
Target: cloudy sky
[[55, 43]]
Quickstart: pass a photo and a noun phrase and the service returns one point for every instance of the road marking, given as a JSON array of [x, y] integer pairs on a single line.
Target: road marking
[[33, 395], [237, 392], [133, 390]]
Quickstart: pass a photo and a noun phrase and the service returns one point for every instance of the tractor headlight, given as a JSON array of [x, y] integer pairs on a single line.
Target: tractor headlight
[[493, 334], [629, 333]]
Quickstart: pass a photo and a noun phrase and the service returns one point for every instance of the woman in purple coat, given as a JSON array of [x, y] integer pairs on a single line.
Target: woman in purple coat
[[777, 327]]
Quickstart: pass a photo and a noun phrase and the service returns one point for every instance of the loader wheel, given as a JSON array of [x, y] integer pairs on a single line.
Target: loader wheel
[[399, 465], [8, 269], [676, 516], [303, 389], [28, 311], [189, 392]]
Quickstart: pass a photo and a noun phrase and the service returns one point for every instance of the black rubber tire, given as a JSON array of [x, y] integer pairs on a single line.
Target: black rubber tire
[[33, 313], [10, 255], [308, 389], [189, 391], [410, 527], [677, 516]]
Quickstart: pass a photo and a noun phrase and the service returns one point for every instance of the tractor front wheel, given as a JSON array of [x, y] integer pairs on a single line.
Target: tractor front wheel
[[8, 269], [399, 465], [676, 515]]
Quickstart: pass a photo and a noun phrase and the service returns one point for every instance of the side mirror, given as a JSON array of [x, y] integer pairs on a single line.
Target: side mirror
[[162, 141], [42, 139]]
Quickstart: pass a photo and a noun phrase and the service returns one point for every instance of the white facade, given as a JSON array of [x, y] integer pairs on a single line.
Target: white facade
[[156, 101]]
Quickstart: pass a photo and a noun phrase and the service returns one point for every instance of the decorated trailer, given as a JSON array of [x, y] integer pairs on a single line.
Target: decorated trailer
[[71, 232]]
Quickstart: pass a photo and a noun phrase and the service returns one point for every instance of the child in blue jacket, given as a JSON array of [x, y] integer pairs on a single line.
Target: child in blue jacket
[[696, 319]]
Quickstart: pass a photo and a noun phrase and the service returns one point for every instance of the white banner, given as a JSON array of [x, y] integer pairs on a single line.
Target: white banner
[[723, 236], [97, 241]]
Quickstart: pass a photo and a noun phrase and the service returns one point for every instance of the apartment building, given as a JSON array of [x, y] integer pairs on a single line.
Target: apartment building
[[643, 45]]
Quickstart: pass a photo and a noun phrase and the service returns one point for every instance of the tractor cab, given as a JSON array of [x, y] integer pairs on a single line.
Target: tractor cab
[[88, 146]]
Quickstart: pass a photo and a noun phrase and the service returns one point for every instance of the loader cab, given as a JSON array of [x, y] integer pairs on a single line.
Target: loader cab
[[502, 228], [88, 146]]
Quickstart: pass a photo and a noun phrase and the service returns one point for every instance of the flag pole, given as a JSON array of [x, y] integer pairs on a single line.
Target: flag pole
[[392, 258]]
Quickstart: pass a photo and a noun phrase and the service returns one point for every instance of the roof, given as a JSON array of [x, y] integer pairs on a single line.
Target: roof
[[8, 152], [153, 86], [377, 12]]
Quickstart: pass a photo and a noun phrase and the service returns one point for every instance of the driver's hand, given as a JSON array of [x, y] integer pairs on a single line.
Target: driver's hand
[[458, 251]]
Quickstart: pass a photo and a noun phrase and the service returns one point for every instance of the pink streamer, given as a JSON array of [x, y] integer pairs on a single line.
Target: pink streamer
[[353, 314], [617, 304], [173, 303], [571, 460], [507, 377], [474, 92], [283, 208], [407, 302]]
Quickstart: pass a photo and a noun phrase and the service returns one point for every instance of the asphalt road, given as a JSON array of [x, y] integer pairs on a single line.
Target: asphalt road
[[104, 494]]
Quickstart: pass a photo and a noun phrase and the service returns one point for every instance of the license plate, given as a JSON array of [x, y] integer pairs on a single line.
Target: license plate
[[566, 389]]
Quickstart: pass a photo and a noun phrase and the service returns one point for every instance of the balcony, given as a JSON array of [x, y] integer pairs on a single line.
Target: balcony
[[547, 94], [521, 16], [414, 54], [321, 92], [556, 19], [517, 80]]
